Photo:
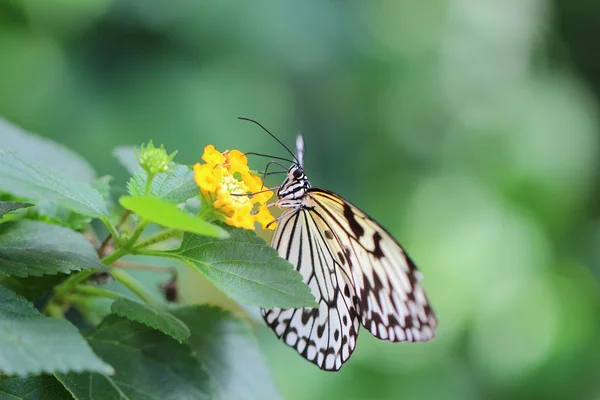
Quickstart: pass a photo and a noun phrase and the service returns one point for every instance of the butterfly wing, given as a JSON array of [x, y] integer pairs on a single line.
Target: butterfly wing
[[325, 335], [392, 303]]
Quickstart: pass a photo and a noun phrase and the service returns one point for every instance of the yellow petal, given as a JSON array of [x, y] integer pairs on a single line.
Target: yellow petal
[[238, 162], [253, 182], [264, 218], [241, 218], [262, 198], [207, 177], [211, 156]]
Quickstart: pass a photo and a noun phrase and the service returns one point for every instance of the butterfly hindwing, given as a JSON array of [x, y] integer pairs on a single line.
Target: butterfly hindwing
[[325, 335]]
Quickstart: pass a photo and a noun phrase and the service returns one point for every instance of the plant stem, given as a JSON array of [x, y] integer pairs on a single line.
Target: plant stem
[[159, 237], [61, 290], [149, 178], [136, 234], [133, 285], [156, 253], [113, 234], [73, 280], [96, 291], [143, 267], [206, 210], [54, 311], [115, 255]]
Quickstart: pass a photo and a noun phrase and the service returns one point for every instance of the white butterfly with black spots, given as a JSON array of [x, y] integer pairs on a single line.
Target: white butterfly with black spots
[[358, 273]]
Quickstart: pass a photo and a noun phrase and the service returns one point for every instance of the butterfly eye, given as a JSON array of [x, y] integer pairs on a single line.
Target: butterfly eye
[[297, 173]]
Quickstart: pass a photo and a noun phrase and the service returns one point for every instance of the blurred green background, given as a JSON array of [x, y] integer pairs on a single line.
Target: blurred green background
[[468, 128]]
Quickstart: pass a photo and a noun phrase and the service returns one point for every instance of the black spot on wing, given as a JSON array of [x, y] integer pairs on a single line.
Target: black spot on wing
[[320, 330], [307, 313], [377, 252], [357, 229], [341, 257]]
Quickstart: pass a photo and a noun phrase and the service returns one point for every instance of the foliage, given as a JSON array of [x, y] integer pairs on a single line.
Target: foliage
[[141, 349], [469, 129]]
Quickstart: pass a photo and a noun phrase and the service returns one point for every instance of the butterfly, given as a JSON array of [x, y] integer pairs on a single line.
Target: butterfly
[[358, 273]]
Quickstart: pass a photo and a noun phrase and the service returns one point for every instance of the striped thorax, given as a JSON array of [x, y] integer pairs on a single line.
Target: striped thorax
[[293, 189]]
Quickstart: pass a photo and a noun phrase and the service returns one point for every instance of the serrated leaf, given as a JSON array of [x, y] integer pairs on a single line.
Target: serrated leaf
[[127, 158], [42, 387], [45, 152], [149, 366], [7, 206], [52, 213], [174, 186], [37, 181], [31, 343], [228, 348], [35, 248], [102, 185], [151, 316], [246, 269], [170, 216]]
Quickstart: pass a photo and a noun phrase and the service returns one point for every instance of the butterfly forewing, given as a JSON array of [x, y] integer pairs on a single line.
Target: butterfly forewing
[[393, 305]]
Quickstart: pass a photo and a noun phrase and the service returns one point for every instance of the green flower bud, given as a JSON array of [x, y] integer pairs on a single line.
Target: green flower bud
[[154, 159]]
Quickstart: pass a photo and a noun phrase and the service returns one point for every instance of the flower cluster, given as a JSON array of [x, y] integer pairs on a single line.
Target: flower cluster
[[225, 181], [154, 159]]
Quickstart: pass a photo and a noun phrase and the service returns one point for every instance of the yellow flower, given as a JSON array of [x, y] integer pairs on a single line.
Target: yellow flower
[[212, 156], [241, 218], [264, 217], [228, 186], [207, 177], [238, 162]]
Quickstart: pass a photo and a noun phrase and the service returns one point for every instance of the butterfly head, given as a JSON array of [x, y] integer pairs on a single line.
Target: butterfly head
[[294, 186]]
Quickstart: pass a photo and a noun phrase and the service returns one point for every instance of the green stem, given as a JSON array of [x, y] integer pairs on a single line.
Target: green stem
[[54, 310], [149, 179], [112, 230], [136, 234], [205, 210], [96, 291], [115, 255], [73, 280], [61, 290], [155, 253], [133, 285], [159, 237]]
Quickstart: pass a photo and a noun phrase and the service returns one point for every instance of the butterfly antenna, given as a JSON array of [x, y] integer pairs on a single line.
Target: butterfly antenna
[[251, 153], [273, 136]]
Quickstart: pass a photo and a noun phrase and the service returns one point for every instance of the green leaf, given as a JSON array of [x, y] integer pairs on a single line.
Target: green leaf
[[127, 158], [33, 287], [169, 215], [37, 181], [246, 269], [45, 152], [42, 387], [52, 213], [102, 185], [35, 248], [6, 207], [153, 317], [174, 186], [149, 366], [31, 343], [228, 348]]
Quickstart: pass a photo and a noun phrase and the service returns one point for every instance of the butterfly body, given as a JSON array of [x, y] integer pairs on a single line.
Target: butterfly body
[[358, 273]]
